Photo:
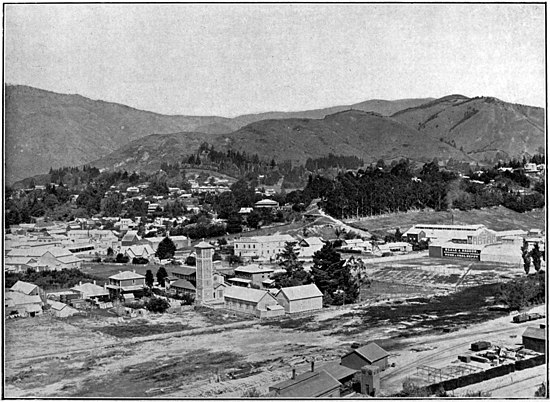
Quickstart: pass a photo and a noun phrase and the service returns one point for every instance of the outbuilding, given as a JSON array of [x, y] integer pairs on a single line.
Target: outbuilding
[[535, 339], [370, 354], [298, 299], [61, 310]]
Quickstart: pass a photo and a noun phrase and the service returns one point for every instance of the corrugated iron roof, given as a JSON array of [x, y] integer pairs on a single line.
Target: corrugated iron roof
[[371, 352], [301, 292], [23, 287], [245, 294], [307, 385], [127, 275], [183, 284], [535, 333]]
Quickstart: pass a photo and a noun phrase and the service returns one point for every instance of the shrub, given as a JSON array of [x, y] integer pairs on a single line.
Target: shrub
[[157, 305]]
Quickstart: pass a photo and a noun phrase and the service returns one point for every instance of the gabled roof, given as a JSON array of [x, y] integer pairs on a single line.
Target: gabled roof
[[313, 241], [245, 294], [17, 298], [183, 284], [67, 259], [130, 235], [90, 289], [55, 305], [337, 370], [253, 269], [266, 201], [371, 352], [307, 385], [183, 270], [18, 260], [23, 287], [266, 239], [301, 292], [127, 275], [535, 333], [204, 244]]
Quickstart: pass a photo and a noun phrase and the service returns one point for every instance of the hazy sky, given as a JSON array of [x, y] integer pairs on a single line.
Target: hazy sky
[[229, 59]]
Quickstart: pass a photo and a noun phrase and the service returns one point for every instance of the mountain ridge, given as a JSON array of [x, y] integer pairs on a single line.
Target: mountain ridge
[[45, 129]]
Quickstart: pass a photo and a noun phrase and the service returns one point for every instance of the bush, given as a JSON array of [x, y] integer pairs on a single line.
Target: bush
[[157, 305], [140, 260], [122, 259]]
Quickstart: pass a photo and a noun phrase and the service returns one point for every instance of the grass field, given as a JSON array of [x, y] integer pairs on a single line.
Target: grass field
[[496, 218]]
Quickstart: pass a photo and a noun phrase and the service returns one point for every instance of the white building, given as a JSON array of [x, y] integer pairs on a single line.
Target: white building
[[262, 247], [298, 299]]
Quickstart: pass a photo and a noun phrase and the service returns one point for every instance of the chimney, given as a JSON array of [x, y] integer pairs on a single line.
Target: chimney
[[80, 283], [134, 270], [94, 282], [312, 366], [293, 373]]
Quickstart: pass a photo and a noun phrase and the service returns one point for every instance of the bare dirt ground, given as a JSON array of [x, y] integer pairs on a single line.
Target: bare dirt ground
[[47, 357], [410, 309]]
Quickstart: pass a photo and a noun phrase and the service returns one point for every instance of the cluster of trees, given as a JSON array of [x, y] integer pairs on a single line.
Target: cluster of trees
[[49, 280], [161, 277], [377, 190], [522, 292], [330, 274], [535, 256]]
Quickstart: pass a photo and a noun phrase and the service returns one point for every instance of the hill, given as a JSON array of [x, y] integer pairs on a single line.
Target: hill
[[366, 135], [45, 129], [383, 107], [483, 127]]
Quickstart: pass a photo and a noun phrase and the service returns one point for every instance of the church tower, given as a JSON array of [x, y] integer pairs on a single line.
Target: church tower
[[205, 285]]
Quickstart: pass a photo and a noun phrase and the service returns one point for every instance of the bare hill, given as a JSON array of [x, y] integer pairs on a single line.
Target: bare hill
[[482, 127], [367, 135], [44, 129]]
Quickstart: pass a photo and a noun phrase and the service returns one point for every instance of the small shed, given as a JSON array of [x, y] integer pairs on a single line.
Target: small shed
[[535, 339], [61, 310], [370, 354]]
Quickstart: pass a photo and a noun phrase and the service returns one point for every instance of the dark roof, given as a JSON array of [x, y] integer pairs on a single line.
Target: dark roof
[[338, 371], [183, 270], [183, 284], [371, 352], [534, 333], [307, 385]]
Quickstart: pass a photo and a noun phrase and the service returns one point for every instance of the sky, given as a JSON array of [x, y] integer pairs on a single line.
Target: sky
[[232, 59]]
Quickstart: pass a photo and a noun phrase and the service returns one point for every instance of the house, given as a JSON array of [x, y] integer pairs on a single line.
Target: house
[[61, 310], [396, 247], [309, 246], [370, 354], [91, 291], [183, 287], [262, 247], [298, 299], [21, 264], [266, 204], [249, 275], [49, 258], [185, 272], [311, 384], [26, 288], [535, 339], [251, 301], [22, 304], [139, 251], [125, 283], [130, 238]]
